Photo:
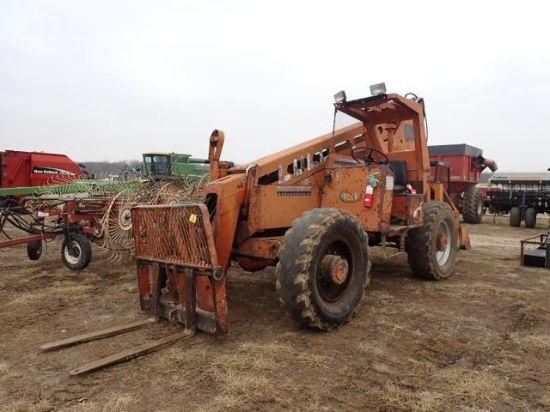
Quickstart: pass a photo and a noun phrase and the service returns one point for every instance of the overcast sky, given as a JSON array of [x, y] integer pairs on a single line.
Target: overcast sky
[[108, 80]]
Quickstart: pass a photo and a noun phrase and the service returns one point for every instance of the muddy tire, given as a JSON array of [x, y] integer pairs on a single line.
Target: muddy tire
[[323, 268], [432, 248], [530, 217], [34, 250], [515, 217], [76, 253], [472, 209]]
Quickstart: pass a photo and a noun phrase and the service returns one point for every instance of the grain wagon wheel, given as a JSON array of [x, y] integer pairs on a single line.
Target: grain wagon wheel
[[323, 268], [432, 248], [472, 209]]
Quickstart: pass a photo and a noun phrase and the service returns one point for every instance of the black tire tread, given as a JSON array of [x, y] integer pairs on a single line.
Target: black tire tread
[[473, 203], [34, 250], [294, 293], [420, 244], [530, 217], [85, 252], [515, 217]]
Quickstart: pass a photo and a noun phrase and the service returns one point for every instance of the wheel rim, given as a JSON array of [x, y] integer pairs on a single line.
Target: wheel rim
[[335, 271], [73, 252], [443, 243], [125, 219]]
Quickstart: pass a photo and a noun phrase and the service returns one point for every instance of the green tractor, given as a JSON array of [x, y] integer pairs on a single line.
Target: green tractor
[[172, 166]]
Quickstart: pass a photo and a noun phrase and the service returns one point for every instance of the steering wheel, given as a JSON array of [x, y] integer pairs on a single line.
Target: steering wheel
[[368, 158]]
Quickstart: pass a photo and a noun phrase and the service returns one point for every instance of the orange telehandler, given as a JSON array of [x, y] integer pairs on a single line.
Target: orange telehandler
[[312, 211]]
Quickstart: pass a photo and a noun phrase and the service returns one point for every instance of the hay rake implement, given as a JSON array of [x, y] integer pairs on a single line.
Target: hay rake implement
[[85, 212]]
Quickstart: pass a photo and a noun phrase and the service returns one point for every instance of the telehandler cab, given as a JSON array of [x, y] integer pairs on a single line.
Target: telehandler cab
[[312, 211]]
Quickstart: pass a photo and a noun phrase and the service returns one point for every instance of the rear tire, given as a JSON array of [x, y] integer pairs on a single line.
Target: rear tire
[[530, 217], [431, 248], [472, 210], [323, 268], [76, 253], [34, 250], [515, 217]]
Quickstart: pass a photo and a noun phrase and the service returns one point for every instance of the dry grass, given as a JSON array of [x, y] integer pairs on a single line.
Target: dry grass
[[537, 343], [24, 405], [47, 294], [478, 341], [449, 389]]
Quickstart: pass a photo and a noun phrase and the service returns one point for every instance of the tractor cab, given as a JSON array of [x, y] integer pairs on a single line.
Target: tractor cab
[[157, 164]]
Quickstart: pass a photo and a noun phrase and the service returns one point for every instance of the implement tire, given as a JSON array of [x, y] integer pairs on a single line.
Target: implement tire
[[432, 248], [34, 250], [515, 217], [530, 218], [323, 268], [472, 208], [76, 253]]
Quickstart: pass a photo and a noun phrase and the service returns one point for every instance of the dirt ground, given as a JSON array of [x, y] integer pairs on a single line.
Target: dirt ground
[[478, 341]]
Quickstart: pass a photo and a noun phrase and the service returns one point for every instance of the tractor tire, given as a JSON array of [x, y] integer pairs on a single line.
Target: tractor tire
[[34, 250], [472, 209], [76, 253], [530, 217], [432, 248], [323, 268], [515, 217]]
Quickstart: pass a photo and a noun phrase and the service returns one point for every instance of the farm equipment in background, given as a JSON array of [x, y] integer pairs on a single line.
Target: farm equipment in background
[[27, 173], [88, 212], [85, 212], [161, 166], [523, 195], [535, 251], [459, 167], [54, 202], [170, 166]]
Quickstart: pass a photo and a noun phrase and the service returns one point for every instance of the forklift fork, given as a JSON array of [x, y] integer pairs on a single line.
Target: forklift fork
[[179, 280]]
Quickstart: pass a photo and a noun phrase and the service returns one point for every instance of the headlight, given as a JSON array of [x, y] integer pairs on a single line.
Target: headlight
[[377, 89], [340, 97]]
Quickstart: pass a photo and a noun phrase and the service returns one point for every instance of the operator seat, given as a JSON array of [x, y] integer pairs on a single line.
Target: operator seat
[[399, 169]]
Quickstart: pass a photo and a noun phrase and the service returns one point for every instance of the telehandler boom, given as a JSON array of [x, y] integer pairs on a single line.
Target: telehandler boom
[[312, 211]]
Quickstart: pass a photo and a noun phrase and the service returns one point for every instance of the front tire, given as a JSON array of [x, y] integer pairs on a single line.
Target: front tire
[[472, 210], [76, 252], [323, 268], [431, 248]]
